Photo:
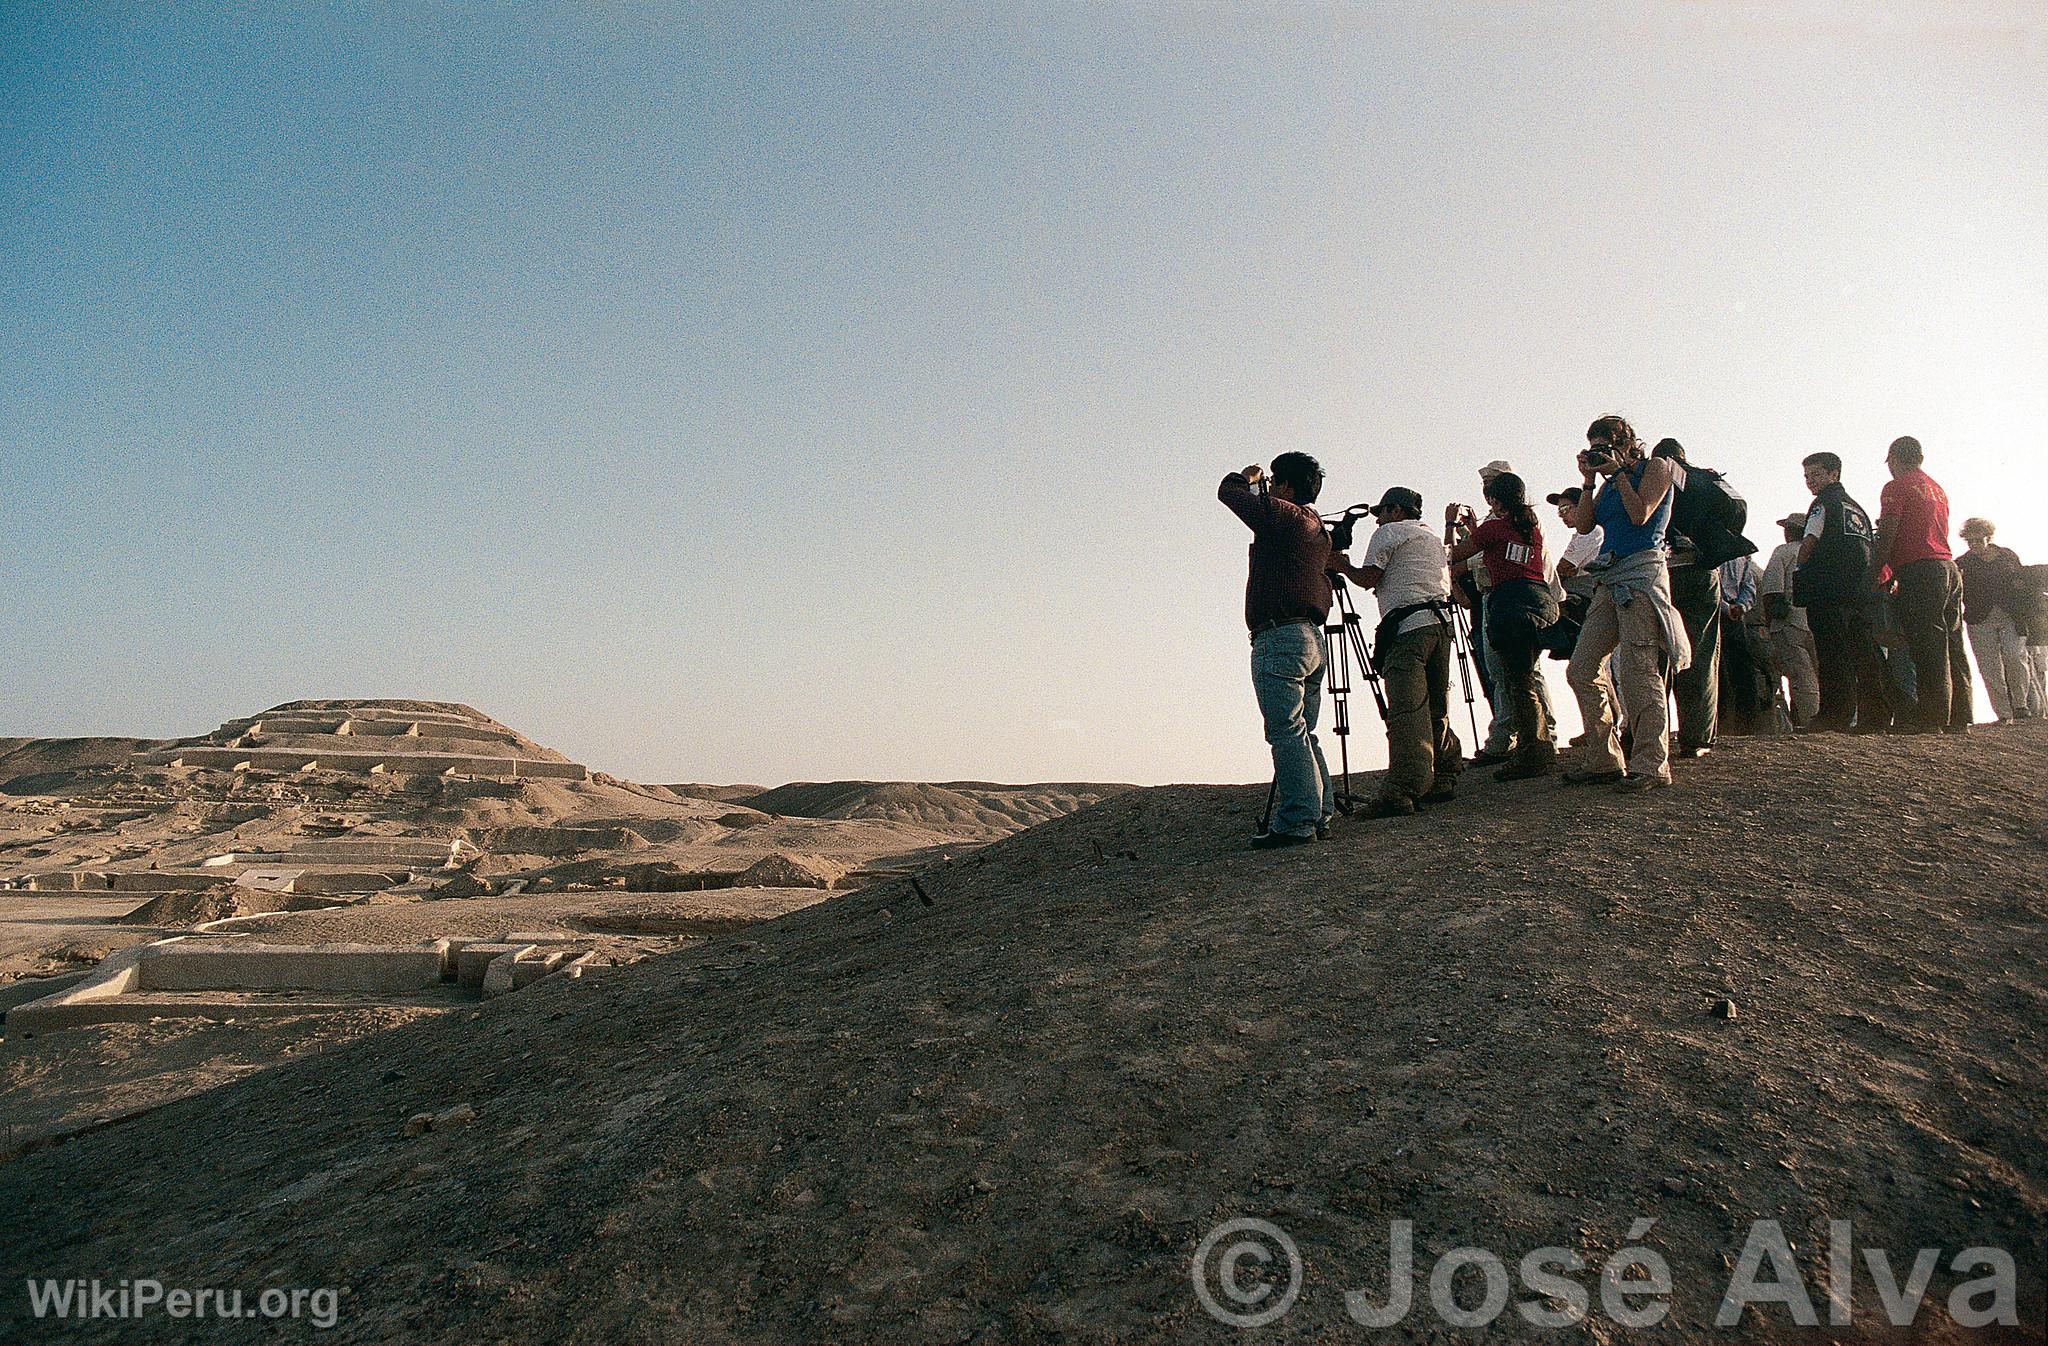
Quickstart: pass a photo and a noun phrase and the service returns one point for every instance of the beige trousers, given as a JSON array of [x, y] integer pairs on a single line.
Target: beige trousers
[[1635, 638]]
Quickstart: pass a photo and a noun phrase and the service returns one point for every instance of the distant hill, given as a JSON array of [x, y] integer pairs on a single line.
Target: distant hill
[[724, 794], [1014, 1114], [969, 806], [44, 756]]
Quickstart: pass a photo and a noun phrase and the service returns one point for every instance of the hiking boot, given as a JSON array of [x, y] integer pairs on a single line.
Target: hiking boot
[[1394, 806], [1529, 770], [1488, 757], [1604, 777], [1440, 793], [1273, 841], [1637, 782]]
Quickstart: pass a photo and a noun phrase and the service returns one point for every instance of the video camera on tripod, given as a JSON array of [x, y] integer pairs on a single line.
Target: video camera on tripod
[[1342, 526]]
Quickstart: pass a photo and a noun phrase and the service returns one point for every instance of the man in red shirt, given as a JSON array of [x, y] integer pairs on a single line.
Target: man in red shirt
[[1912, 538], [1286, 601]]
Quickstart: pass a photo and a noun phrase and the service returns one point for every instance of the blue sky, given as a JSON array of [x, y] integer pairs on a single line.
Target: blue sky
[[762, 394]]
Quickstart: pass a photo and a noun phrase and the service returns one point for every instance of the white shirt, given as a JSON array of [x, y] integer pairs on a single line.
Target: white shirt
[[1584, 548], [1414, 568], [1778, 580]]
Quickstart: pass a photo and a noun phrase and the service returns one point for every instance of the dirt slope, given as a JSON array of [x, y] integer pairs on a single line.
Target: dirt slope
[[1013, 1114], [965, 806]]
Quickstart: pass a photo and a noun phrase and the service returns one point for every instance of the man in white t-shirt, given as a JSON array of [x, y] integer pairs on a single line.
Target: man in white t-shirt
[[1575, 587], [1786, 632], [1409, 572]]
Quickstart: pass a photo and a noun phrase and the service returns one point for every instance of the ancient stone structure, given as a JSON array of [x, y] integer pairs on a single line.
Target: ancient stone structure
[[437, 738]]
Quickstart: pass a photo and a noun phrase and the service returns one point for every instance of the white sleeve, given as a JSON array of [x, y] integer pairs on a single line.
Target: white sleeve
[[1379, 547], [1816, 519]]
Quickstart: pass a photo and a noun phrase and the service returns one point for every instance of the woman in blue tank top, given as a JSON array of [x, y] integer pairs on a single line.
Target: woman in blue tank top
[[1631, 614], [1624, 536]]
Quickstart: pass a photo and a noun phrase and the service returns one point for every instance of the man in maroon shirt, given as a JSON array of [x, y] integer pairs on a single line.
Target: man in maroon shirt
[[1286, 601], [1912, 538]]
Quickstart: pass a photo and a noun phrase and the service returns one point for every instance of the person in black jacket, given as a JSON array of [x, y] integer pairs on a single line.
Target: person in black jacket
[[1696, 593], [1833, 583]]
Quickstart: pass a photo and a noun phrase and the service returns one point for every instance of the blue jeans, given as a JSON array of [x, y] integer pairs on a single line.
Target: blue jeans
[[1287, 674]]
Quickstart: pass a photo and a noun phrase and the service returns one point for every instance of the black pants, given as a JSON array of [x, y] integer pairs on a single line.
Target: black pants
[[1847, 668], [1929, 608], [1745, 686], [1696, 593], [1511, 612]]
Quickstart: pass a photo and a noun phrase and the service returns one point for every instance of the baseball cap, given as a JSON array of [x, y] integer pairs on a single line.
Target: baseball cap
[[1494, 469], [1792, 521], [1398, 497], [1569, 494]]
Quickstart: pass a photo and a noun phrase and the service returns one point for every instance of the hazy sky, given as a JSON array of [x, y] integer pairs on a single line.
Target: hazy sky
[[776, 393]]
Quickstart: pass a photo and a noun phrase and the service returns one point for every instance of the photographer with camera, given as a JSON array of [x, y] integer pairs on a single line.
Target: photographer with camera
[[1520, 608], [1286, 601], [1409, 572], [1629, 497]]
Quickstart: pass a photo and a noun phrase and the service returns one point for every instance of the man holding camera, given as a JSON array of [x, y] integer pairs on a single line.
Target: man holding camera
[[1629, 496], [1286, 601], [1409, 572]]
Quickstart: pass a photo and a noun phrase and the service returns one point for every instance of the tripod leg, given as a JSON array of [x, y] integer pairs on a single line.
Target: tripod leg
[[1462, 642], [1266, 818]]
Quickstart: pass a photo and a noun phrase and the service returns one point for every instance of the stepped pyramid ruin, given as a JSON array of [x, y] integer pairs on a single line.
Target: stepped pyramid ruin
[[378, 737]]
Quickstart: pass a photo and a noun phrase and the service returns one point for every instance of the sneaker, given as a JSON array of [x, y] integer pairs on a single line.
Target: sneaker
[[1271, 841], [1488, 757], [1530, 770], [1323, 830], [1578, 777], [1701, 751], [1955, 729], [1394, 806], [1636, 782], [1440, 794]]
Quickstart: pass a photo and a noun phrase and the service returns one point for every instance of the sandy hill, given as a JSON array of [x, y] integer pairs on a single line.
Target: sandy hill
[[1014, 1113], [27, 759], [968, 806]]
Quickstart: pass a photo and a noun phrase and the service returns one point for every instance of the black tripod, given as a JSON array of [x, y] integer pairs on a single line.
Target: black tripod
[[1345, 654], [1461, 629]]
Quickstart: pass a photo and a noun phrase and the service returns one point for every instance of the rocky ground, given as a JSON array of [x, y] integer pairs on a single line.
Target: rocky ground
[[1014, 1113]]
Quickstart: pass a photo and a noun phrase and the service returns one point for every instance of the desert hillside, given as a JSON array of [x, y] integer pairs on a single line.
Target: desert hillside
[[1014, 1113], [968, 807]]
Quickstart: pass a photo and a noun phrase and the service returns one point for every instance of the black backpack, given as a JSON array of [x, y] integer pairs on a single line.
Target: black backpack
[[1712, 514]]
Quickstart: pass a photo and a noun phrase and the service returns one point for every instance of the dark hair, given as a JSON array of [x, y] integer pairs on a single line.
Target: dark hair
[[1301, 472], [1619, 433], [1512, 495], [1669, 448], [1826, 462], [1906, 450]]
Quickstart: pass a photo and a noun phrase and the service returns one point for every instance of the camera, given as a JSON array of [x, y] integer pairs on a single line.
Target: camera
[[1342, 526]]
